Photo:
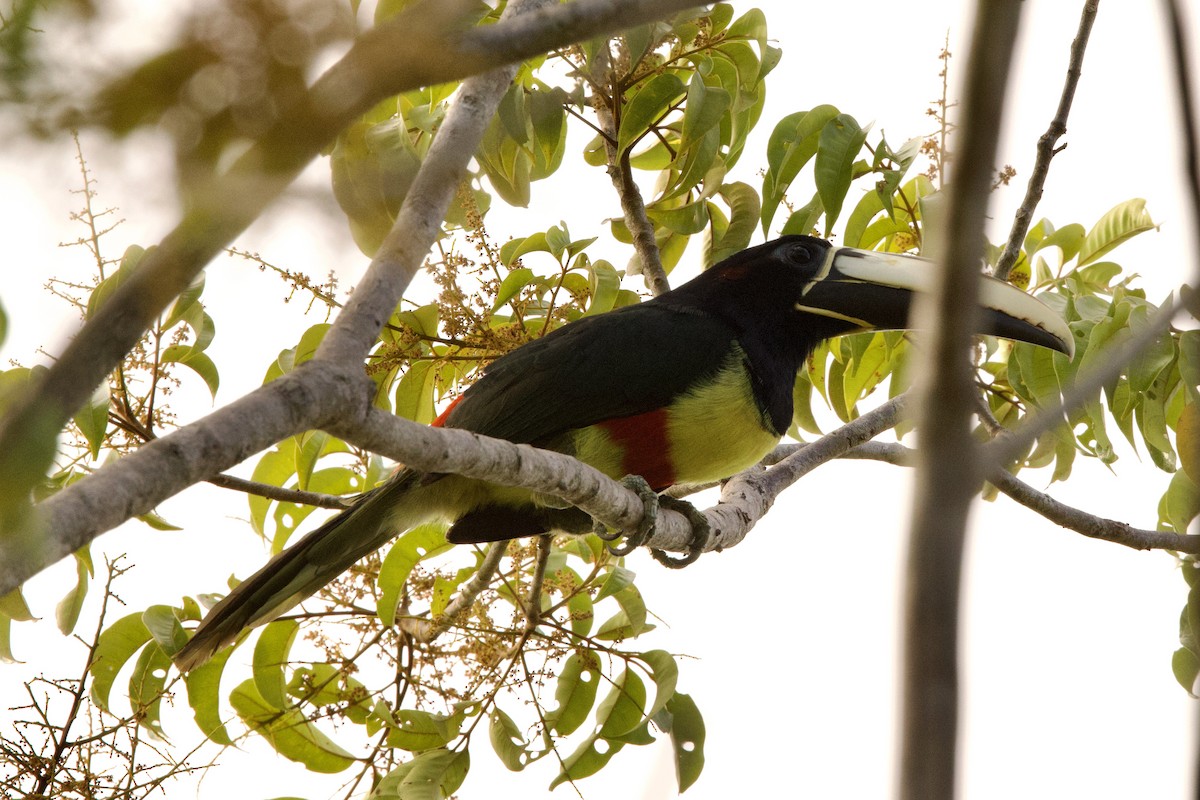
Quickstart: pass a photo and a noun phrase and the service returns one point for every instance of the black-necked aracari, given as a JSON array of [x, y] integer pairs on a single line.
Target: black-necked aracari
[[689, 387]]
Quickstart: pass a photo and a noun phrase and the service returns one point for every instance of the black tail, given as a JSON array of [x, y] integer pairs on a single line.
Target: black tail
[[303, 568]]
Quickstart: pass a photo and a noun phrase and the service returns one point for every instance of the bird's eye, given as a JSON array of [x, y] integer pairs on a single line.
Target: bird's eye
[[799, 254]]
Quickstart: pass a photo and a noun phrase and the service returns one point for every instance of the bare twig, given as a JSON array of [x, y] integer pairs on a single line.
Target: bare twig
[[271, 492], [632, 206], [948, 471], [1047, 144], [1069, 517], [426, 630]]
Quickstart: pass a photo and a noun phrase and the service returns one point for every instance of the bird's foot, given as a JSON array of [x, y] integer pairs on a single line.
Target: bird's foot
[[701, 533], [652, 501]]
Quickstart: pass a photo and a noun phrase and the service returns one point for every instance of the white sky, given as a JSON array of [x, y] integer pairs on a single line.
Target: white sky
[[1068, 641]]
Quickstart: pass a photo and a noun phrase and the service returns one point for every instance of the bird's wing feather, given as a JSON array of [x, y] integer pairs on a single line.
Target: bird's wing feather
[[615, 365]]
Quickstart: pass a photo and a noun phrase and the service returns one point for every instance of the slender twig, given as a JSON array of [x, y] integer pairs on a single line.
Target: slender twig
[[1047, 145], [426, 630], [1069, 517], [633, 207], [271, 492], [53, 763], [948, 472], [533, 608]]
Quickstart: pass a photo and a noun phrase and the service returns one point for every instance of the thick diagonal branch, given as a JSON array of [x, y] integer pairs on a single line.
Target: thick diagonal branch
[[416, 48]]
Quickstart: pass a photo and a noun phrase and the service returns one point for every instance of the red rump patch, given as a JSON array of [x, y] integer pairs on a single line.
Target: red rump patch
[[644, 445], [440, 422]]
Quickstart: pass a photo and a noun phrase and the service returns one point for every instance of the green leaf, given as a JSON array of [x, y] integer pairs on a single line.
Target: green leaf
[[744, 212], [197, 362], [704, 109], [1180, 504], [66, 614], [665, 673], [270, 658], [204, 696], [288, 731], [274, 468], [507, 741], [430, 776], [147, 686], [575, 692], [1187, 440], [1186, 667], [14, 606], [414, 393], [114, 648], [419, 543], [163, 623], [683, 721], [417, 731], [840, 142], [616, 579], [605, 284], [1069, 239], [624, 708], [186, 303], [92, 420], [512, 285], [651, 102], [589, 758], [6, 653], [792, 144], [1119, 224]]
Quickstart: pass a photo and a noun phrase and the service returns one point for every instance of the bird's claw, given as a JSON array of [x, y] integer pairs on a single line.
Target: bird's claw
[[701, 533], [652, 501], [638, 485]]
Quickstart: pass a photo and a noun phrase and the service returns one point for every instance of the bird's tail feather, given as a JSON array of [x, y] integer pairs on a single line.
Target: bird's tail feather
[[302, 569]]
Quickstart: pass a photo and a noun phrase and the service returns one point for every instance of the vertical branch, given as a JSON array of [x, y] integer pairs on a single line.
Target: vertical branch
[[1046, 147], [633, 208], [948, 472], [1180, 61]]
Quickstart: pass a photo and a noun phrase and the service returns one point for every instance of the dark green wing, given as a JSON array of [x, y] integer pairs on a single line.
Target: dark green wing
[[627, 362]]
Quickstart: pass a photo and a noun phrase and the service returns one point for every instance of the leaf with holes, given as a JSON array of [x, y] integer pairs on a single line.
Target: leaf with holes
[[288, 731], [421, 542]]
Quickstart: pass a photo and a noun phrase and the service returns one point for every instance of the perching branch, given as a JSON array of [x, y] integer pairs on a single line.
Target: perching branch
[[418, 47], [948, 472], [1060, 513], [1047, 144]]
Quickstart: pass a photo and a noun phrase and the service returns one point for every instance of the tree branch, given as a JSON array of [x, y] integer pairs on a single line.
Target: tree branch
[[382, 63], [1181, 61], [426, 630], [633, 208], [273, 492], [1069, 517], [1046, 147], [948, 472]]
